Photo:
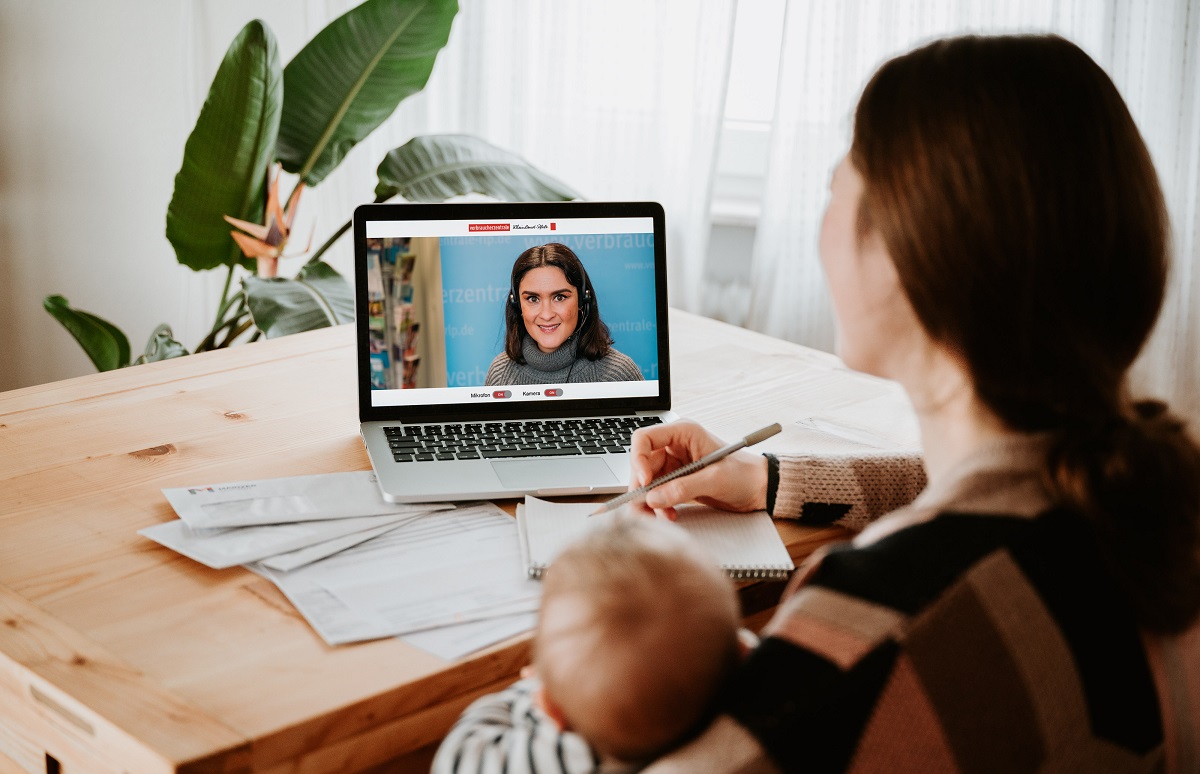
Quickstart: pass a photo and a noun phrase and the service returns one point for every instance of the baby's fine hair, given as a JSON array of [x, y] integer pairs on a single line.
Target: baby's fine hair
[[638, 632]]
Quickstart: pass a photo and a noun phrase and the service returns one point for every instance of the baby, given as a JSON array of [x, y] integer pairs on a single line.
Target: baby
[[637, 632]]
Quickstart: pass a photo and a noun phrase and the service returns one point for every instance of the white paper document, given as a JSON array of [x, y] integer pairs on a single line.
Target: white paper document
[[441, 570], [885, 421], [287, 500], [452, 642], [230, 547], [326, 548]]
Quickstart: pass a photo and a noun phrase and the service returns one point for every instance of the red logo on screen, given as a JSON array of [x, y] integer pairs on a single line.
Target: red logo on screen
[[487, 227], [553, 226]]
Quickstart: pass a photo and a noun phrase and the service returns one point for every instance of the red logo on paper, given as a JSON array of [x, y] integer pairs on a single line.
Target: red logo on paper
[[487, 227]]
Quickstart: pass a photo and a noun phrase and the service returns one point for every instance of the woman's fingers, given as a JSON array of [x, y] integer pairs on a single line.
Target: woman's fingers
[[703, 483], [660, 449], [735, 483]]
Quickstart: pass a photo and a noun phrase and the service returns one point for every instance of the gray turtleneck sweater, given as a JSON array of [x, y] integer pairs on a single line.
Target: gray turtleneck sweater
[[560, 366]]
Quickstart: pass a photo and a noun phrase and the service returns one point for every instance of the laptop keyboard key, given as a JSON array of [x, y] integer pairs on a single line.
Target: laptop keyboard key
[[528, 453]]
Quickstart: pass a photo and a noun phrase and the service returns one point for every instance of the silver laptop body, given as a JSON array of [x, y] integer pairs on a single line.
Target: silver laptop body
[[435, 310]]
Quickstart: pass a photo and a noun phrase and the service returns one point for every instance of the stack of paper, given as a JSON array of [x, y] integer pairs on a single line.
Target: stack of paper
[[284, 521], [357, 567]]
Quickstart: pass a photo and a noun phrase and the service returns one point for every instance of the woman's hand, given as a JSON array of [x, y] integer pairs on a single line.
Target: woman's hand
[[736, 483]]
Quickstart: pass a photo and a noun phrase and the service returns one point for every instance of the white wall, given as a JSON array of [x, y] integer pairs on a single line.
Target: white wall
[[96, 102]]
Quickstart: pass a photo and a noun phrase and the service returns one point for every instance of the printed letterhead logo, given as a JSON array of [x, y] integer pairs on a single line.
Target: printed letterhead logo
[[219, 488]]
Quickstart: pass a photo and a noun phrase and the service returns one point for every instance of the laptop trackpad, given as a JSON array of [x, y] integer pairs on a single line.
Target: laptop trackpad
[[585, 473]]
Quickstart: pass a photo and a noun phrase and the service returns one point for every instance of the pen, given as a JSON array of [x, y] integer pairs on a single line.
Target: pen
[[691, 467]]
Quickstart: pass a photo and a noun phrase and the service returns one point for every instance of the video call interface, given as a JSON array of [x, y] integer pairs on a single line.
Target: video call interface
[[442, 311]]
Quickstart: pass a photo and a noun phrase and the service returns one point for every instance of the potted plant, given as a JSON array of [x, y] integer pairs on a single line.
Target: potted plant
[[227, 212]]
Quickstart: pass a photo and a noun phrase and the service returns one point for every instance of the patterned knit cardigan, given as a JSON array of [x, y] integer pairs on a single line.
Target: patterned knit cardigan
[[974, 630]]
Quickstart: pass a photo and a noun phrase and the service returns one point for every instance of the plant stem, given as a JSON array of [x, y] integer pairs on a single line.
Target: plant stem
[[299, 183], [211, 339], [329, 242], [223, 307], [235, 332], [338, 234]]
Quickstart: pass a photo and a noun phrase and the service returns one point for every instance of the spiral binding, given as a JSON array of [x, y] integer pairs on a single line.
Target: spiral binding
[[758, 572], [755, 572]]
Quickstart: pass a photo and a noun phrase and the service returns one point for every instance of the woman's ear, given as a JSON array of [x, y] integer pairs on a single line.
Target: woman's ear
[[548, 706]]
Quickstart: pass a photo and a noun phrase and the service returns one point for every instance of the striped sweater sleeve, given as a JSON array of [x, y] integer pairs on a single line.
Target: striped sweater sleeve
[[844, 489], [506, 732]]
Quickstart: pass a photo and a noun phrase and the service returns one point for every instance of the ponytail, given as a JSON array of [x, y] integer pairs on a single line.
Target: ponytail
[[1136, 479]]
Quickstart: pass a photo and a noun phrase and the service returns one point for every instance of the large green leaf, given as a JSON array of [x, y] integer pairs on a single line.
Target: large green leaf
[[161, 346], [317, 298], [352, 75], [437, 167], [228, 153], [103, 342]]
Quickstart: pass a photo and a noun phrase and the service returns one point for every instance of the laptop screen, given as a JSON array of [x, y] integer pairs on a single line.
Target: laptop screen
[[476, 310]]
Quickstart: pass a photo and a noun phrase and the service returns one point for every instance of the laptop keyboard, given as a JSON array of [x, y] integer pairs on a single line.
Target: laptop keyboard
[[532, 438]]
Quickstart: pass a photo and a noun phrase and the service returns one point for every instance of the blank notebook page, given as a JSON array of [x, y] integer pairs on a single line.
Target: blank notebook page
[[746, 545]]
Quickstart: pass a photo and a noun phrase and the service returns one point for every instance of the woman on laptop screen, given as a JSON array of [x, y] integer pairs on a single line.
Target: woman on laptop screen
[[553, 331]]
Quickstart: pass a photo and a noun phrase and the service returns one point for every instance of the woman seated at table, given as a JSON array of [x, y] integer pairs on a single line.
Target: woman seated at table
[[553, 331], [996, 241]]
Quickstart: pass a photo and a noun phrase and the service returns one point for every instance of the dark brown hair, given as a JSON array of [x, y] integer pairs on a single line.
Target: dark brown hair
[[590, 331], [1021, 208]]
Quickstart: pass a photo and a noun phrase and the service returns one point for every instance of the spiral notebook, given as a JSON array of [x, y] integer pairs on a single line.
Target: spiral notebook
[[746, 545]]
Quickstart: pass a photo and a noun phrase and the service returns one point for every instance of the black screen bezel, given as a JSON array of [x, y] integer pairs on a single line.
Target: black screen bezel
[[511, 211]]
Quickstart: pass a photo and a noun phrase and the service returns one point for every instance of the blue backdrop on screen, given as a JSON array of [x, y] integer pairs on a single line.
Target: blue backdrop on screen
[[475, 272]]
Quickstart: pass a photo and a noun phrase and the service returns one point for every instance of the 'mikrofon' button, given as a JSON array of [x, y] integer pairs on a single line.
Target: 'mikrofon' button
[[501, 394]]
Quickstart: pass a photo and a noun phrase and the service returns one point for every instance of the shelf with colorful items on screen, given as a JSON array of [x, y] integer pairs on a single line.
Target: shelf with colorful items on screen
[[392, 324]]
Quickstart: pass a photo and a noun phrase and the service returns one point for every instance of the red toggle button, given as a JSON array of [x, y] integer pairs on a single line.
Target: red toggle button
[[553, 392], [501, 394]]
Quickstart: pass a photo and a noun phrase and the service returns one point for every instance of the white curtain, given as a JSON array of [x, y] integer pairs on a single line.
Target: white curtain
[[1152, 52], [621, 100]]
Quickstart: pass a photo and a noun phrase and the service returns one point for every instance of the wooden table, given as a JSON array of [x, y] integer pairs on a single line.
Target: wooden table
[[119, 655]]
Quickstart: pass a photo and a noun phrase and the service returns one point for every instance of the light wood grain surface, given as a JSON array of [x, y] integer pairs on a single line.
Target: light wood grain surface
[[117, 654]]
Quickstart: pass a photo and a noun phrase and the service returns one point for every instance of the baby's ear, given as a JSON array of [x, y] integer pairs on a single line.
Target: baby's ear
[[747, 641], [548, 706]]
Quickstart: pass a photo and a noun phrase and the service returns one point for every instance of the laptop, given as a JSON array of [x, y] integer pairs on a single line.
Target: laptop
[[471, 385]]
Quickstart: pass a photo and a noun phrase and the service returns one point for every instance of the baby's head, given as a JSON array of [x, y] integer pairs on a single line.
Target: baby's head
[[638, 630]]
